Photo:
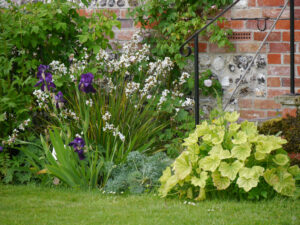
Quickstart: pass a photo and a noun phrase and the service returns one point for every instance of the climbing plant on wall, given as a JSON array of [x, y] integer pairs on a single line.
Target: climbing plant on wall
[[172, 21]]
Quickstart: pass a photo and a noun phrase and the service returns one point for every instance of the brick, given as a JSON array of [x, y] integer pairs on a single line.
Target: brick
[[107, 12], [252, 114], [270, 2], [273, 13], [123, 13], [278, 70], [213, 48], [285, 25], [252, 24], [266, 104], [273, 82], [274, 58], [85, 12], [276, 92], [286, 82], [245, 103], [279, 47], [298, 70], [286, 36], [124, 35], [202, 47], [297, 2], [126, 23], [274, 36], [249, 47], [287, 60], [237, 24], [251, 3], [246, 13], [289, 111], [273, 113]]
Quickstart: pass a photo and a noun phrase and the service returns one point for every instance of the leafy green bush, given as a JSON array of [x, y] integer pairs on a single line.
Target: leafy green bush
[[288, 127], [139, 173], [32, 34], [224, 155]]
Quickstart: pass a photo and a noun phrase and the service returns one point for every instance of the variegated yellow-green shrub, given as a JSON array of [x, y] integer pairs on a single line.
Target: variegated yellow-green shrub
[[225, 155]]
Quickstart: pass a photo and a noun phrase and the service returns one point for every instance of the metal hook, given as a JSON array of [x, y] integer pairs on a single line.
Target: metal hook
[[265, 23]]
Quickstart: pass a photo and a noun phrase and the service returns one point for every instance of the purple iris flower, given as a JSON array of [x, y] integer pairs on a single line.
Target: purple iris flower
[[42, 69], [59, 99], [1, 148], [45, 78], [78, 144], [86, 83]]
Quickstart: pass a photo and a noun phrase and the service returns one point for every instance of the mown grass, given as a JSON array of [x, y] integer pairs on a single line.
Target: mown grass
[[39, 205]]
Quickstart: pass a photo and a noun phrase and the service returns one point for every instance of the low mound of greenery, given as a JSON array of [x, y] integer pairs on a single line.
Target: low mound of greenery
[[224, 156]]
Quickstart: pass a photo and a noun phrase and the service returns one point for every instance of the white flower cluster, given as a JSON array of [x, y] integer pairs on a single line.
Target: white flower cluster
[[160, 67], [115, 131], [131, 87], [42, 98], [150, 82], [188, 102], [12, 138], [131, 53], [163, 97], [89, 102], [56, 66], [106, 116], [77, 66], [68, 113], [183, 78]]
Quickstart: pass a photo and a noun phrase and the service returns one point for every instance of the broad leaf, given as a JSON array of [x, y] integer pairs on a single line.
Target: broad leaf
[[254, 172], [219, 151], [221, 183], [294, 170], [230, 170], [241, 152], [201, 182], [240, 138], [247, 183], [281, 159], [182, 166], [210, 163], [232, 116], [282, 181]]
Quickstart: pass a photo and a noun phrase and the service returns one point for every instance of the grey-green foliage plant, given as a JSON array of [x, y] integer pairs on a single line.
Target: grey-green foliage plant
[[138, 174], [224, 156]]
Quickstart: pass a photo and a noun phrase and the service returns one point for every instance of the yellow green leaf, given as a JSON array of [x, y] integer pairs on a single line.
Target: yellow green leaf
[[210, 163], [232, 116], [201, 182], [247, 183], [230, 170], [240, 138], [281, 159], [294, 170], [219, 151], [221, 183], [182, 166], [242, 151], [201, 195]]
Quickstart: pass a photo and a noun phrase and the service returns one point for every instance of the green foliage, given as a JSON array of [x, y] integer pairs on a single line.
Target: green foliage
[[288, 127], [173, 21], [138, 174], [224, 155], [67, 166]]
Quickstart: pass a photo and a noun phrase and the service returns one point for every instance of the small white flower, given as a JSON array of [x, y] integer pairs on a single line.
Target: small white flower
[[106, 116], [208, 83], [89, 102]]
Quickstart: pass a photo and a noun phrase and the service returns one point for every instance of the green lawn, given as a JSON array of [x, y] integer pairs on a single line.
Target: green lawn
[[38, 205]]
